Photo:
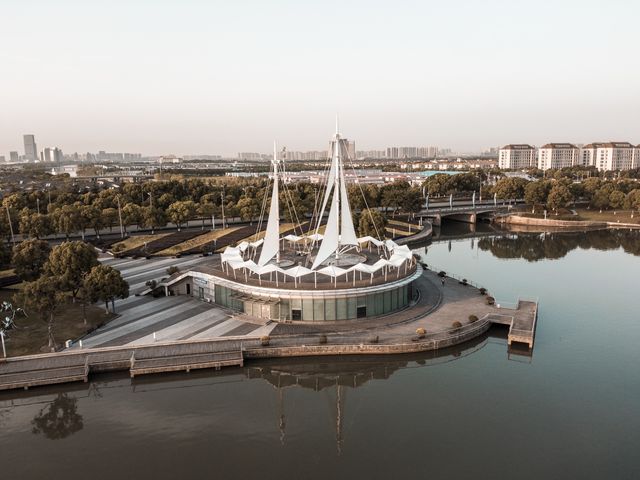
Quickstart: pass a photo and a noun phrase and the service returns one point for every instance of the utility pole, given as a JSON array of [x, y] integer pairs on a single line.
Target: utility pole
[[120, 217], [13, 238], [222, 205], [38, 204]]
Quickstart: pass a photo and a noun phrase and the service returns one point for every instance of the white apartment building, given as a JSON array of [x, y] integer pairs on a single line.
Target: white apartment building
[[611, 156], [517, 156], [558, 155]]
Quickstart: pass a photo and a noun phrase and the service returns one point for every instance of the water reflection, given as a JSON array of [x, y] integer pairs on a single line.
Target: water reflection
[[534, 247], [58, 419]]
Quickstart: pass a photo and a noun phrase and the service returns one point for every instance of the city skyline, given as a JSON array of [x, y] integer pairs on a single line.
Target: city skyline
[[463, 75]]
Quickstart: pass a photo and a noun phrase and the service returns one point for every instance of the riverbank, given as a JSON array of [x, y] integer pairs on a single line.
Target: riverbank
[[518, 219], [461, 314]]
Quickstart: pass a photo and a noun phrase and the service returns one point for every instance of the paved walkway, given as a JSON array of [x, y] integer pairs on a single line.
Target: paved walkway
[[184, 317]]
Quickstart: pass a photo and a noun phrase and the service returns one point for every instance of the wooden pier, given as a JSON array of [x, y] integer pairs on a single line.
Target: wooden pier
[[185, 363]]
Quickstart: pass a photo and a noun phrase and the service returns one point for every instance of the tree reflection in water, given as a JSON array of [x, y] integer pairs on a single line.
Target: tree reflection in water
[[59, 419], [534, 247]]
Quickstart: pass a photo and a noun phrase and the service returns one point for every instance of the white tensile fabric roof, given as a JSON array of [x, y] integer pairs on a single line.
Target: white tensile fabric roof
[[232, 256]]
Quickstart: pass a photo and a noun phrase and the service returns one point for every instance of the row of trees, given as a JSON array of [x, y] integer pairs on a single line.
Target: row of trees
[[154, 204], [51, 275]]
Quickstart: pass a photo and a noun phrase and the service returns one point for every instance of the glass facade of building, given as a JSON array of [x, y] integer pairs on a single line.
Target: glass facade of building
[[317, 308]]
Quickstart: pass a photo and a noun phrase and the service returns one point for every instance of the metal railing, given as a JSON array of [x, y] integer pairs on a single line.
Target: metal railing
[[455, 276]]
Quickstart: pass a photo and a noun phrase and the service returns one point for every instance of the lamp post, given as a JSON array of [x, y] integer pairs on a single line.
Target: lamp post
[[222, 205], [13, 239], [120, 217], [4, 350]]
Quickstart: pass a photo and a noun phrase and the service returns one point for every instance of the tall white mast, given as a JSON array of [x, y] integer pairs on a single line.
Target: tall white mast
[[271, 245], [340, 231]]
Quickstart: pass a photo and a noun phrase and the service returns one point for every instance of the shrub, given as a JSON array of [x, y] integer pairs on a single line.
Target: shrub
[[322, 340], [473, 318], [265, 340], [375, 339], [117, 248], [151, 284], [456, 326], [421, 332], [442, 274], [490, 300], [464, 282], [483, 291], [172, 269]]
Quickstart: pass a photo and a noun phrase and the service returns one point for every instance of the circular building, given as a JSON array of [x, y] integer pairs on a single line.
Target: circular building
[[324, 274]]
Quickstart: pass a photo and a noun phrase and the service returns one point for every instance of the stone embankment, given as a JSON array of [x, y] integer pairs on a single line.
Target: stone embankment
[[548, 222], [442, 315]]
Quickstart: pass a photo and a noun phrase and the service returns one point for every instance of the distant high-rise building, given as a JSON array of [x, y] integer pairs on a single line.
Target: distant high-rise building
[[350, 147], [610, 156], [45, 154], [13, 157], [412, 152], [558, 155], [517, 156], [51, 155], [30, 148]]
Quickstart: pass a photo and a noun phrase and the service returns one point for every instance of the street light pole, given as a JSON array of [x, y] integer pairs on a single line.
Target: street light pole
[[4, 350], [222, 205], [13, 239], [120, 217]]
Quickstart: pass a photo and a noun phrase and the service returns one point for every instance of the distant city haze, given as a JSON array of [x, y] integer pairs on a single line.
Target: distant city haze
[[220, 77]]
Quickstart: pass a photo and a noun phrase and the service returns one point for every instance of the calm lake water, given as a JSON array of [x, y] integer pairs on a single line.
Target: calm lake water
[[571, 410]]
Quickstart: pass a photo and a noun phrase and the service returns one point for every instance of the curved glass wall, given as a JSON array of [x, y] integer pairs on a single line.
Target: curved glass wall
[[316, 309]]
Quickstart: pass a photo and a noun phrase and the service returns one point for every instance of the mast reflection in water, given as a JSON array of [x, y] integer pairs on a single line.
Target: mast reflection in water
[[464, 413]]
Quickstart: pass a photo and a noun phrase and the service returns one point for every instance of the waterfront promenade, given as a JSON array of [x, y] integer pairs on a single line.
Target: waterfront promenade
[[131, 345]]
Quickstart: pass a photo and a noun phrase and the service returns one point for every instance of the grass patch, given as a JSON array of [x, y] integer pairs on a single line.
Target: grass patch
[[136, 242], [197, 241], [588, 215], [622, 216], [30, 336]]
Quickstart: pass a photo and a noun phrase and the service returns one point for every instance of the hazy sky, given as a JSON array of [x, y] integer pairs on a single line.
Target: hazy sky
[[161, 77]]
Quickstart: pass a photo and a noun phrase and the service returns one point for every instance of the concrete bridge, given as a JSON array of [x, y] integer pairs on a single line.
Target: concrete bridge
[[466, 212]]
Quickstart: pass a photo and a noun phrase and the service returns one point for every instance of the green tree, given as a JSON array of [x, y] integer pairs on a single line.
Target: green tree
[[372, 223], [70, 262], [632, 201], [249, 208], [132, 214], [181, 212], [29, 258], [153, 217], [110, 217], [43, 296], [34, 225], [67, 219], [206, 211], [106, 283], [617, 199], [559, 197], [510, 188], [536, 193]]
